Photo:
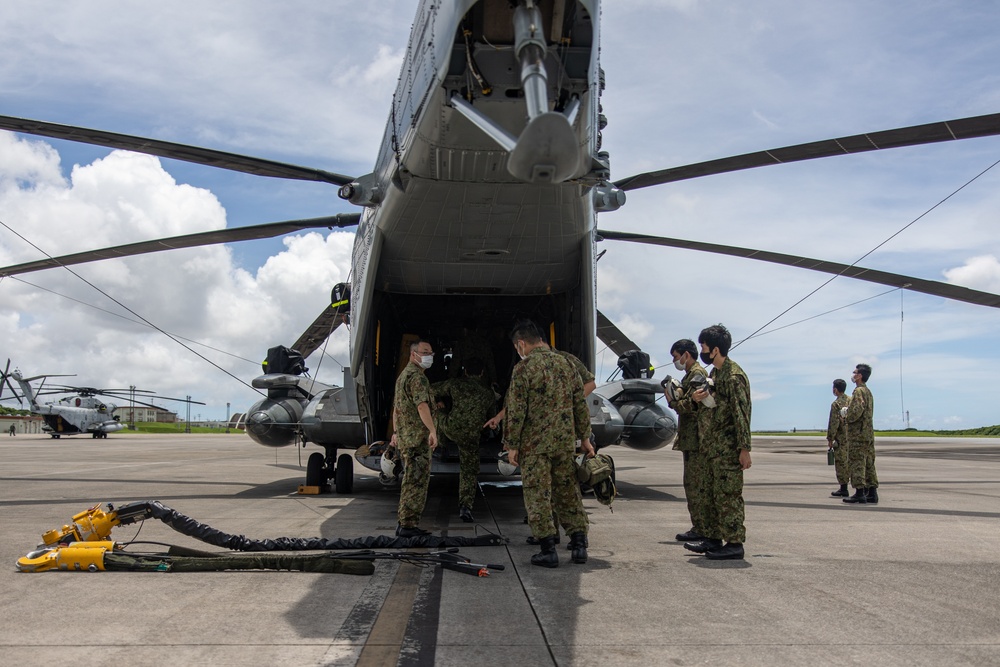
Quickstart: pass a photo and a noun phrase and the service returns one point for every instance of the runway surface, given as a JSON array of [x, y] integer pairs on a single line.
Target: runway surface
[[914, 580]]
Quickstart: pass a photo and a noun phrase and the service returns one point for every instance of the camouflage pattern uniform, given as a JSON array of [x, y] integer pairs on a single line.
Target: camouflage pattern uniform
[[471, 406], [836, 432], [412, 389], [581, 370], [545, 415], [692, 419], [473, 346], [728, 432], [861, 438]]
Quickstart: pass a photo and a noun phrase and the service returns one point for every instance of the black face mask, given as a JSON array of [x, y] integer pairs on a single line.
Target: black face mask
[[706, 358]]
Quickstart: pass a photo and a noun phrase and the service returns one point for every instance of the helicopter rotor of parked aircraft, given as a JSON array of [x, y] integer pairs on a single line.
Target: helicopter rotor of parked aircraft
[[82, 412], [482, 204]]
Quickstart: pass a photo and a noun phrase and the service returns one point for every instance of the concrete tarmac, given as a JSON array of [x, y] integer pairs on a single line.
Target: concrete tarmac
[[914, 580]]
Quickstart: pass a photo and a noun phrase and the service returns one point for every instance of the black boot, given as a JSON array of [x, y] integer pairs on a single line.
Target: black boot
[[578, 543], [547, 557], [531, 539], [872, 495], [465, 514], [690, 536], [842, 492], [860, 497], [731, 551], [703, 546]]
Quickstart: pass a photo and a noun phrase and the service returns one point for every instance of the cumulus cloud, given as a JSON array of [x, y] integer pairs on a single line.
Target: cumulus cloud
[[981, 273], [198, 295]]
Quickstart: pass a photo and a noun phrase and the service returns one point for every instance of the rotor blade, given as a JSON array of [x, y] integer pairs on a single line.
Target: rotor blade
[[932, 287], [612, 336], [167, 149], [319, 330], [228, 235], [962, 128]]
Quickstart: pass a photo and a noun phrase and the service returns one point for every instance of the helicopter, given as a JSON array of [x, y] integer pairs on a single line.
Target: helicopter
[[496, 128], [83, 413]]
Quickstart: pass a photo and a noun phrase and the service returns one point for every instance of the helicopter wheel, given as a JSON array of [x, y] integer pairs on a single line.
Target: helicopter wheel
[[315, 474], [345, 473]]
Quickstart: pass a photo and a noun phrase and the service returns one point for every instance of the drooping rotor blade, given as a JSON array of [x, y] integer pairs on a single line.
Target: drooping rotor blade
[[612, 336], [227, 235], [949, 130], [932, 287], [319, 330], [168, 149]]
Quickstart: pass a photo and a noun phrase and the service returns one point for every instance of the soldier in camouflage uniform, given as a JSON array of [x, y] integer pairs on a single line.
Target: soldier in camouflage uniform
[[726, 442], [545, 414], [415, 436], [690, 416], [836, 437], [472, 345], [861, 439], [471, 403], [588, 379]]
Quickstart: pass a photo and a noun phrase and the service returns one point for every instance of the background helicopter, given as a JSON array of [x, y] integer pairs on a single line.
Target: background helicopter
[[85, 412], [624, 281]]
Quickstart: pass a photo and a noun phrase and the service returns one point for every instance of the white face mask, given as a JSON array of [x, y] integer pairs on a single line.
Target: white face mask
[[679, 365], [426, 361], [518, 350]]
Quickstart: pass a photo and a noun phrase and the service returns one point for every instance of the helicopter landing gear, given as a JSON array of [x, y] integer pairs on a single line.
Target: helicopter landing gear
[[345, 474], [316, 470], [319, 467]]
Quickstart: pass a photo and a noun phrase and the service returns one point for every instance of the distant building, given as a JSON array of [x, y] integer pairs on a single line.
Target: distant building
[[21, 423], [129, 414]]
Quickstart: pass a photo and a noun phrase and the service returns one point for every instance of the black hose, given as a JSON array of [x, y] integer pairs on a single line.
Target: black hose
[[187, 526]]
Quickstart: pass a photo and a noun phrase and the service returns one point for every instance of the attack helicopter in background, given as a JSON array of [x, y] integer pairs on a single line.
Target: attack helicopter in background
[[483, 202], [84, 412]]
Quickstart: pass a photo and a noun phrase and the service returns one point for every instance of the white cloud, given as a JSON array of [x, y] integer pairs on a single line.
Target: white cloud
[[981, 273]]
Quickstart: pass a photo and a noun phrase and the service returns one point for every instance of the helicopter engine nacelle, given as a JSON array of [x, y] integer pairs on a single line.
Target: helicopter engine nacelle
[[646, 424], [274, 421]]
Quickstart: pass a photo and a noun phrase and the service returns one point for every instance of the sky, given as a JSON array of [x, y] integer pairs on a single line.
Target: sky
[[310, 83]]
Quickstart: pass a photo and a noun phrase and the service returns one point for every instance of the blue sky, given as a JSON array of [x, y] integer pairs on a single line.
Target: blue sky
[[687, 81]]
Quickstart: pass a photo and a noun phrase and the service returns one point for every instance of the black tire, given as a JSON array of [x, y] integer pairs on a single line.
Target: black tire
[[345, 473], [315, 471]]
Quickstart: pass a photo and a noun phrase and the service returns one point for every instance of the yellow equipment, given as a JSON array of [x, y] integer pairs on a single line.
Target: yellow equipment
[[76, 556]]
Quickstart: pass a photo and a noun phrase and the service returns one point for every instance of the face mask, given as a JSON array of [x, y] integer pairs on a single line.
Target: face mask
[[426, 360], [679, 365], [706, 357]]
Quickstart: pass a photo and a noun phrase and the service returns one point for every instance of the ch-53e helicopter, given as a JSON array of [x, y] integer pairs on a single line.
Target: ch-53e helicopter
[[84, 412], [483, 200]]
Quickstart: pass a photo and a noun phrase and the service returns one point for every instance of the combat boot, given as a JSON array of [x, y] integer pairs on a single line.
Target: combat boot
[[860, 497], [532, 540], [690, 536], [703, 546], [578, 543], [547, 557], [872, 495], [731, 551], [842, 492]]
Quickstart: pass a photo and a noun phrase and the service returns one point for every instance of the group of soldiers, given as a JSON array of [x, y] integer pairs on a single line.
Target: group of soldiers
[[713, 432], [544, 417], [850, 435]]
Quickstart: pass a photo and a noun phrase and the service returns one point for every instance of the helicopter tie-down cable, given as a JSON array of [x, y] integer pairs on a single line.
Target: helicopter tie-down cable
[[855, 262], [123, 306]]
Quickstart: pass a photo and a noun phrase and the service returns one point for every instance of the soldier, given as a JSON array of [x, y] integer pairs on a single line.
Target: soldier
[[861, 439], [688, 441], [415, 435], [836, 437], [470, 402], [472, 345], [545, 415], [726, 442]]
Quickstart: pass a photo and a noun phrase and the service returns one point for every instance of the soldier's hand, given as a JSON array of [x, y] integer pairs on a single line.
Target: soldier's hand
[[512, 457], [493, 422], [699, 395], [432, 440], [744, 459], [392, 440], [588, 448]]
